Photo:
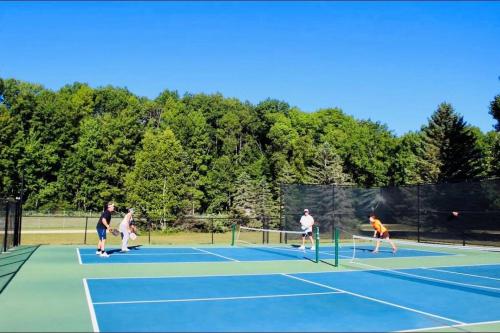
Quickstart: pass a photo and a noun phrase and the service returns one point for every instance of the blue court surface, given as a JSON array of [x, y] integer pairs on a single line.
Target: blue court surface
[[141, 255], [363, 300]]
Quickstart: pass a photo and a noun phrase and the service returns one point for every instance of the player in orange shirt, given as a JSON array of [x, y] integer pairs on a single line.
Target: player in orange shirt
[[380, 232]]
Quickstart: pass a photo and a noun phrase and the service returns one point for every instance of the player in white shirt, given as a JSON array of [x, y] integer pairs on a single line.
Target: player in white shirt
[[306, 223], [125, 229]]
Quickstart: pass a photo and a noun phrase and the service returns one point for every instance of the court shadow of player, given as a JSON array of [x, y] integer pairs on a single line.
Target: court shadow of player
[[131, 248], [463, 287]]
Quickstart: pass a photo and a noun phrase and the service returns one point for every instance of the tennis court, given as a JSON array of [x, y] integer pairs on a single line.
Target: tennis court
[[376, 300], [256, 288], [368, 292], [145, 255]]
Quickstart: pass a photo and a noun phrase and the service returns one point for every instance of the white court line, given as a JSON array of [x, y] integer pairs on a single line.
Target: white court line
[[436, 254], [150, 254], [217, 255], [79, 255], [395, 270], [248, 274], [93, 317], [459, 273], [375, 299], [225, 262], [217, 298], [451, 326], [272, 247], [395, 256]]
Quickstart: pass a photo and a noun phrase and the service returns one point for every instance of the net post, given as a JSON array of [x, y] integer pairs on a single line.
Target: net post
[[233, 232], [336, 242], [316, 241]]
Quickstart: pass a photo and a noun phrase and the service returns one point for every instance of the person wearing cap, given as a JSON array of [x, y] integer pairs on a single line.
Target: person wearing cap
[[380, 232], [103, 225], [126, 228], [306, 223]]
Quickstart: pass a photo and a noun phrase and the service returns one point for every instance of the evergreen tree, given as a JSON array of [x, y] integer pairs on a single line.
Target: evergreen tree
[[286, 174], [493, 154], [156, 183], [495, 111], [495, 147], [266, 207], [244, 199], [450, 151], [327, 167]]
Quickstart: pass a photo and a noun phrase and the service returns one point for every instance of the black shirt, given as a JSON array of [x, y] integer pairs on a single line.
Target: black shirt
[[105, 215]]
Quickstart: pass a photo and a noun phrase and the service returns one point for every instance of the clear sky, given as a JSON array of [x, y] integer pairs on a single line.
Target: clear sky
[[391, 62]]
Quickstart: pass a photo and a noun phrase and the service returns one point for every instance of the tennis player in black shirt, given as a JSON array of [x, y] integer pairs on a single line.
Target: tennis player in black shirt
[[103, 225]]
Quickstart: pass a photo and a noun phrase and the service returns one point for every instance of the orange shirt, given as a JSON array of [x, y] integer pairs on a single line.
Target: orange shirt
[[377, 225]]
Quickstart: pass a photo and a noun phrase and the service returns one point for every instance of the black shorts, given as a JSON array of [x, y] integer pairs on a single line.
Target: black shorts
[[384, 235], [308, 233]]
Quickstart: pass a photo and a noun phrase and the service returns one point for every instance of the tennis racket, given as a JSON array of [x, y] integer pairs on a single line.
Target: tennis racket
[[115, 232]]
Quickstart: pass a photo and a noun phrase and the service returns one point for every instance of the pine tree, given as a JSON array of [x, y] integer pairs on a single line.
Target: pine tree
[[327, 167], [495, 156], [244, 199], [495, 150], [286, 175], [266, 207], [156, 183], [450, 151], [495, 111]]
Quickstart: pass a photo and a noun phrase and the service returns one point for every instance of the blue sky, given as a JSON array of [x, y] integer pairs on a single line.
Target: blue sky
[[391, 62]]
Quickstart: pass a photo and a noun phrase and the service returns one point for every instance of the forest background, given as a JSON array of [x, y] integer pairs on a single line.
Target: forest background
[[197, 154]]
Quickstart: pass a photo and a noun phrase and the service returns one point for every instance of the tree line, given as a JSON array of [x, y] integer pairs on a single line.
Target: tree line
[[78, 147]]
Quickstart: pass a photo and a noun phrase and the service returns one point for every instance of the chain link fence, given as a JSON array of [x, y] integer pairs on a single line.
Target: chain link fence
[[421, 212]]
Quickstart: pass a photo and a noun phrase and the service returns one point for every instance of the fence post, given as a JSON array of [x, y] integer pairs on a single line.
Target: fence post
[[316, 248], [17, 231], [418, 213], [149, 232], [337, 234], [281, 226], [86, 225], [6, 235], [212, 227]]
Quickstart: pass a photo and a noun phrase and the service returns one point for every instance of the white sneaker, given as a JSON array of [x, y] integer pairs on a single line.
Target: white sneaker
[[125, 250], [313, 248], [97, 252], [104, 255], [302, 247]]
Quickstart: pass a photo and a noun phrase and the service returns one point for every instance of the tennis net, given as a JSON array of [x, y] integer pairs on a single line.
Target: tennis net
[[413, 260], [283, 244], [366, 248], [448, 266]]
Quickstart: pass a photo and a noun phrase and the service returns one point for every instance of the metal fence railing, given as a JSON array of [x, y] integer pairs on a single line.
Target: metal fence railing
[[72, 229], [10, 223]]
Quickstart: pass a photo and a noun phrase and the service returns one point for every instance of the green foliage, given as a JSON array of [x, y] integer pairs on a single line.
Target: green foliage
[[495, 111], [327, 168], [78, 147], [451, 151], [492, 153], [155, 185], [407, 164]]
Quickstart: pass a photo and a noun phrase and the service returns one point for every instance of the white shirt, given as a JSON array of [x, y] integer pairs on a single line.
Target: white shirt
[[307, 221], [124, 225]]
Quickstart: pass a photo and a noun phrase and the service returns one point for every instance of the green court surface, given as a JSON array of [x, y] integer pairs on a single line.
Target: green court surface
[[47, 293]]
